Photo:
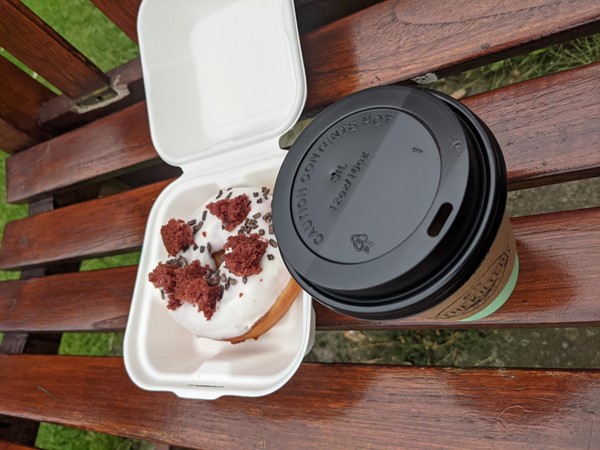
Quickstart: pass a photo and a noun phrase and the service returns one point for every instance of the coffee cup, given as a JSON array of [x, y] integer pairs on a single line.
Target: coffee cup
[[391, 203]]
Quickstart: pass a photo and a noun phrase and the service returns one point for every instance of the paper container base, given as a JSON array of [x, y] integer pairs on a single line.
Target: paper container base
[[162, 356]]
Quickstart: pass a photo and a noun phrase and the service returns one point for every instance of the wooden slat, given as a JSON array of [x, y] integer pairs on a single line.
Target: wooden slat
[[104, 147], [21, 98], [12, 139], [557, 286], [534, 121], [394, 41], [85, 301], [5, 445], [123, 13], [81, 231], [548, 128], [38, 46], [325, 406]]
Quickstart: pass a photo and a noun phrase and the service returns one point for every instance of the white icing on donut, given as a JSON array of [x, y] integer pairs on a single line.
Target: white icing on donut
[[235, 315]]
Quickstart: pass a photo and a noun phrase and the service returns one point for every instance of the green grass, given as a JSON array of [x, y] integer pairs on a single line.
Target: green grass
[[125, 259], [61, 438]]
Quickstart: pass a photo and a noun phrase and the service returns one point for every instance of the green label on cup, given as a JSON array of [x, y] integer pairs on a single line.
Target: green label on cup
[[489, 287], [502, 297]]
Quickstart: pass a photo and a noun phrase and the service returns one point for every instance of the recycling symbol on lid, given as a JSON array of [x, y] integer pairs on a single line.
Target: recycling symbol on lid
[[361, 242]]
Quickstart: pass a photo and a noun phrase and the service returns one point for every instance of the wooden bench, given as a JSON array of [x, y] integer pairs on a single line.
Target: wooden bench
[[548, 128]]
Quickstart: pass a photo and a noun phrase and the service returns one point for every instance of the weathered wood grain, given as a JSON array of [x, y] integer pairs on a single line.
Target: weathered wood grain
[[395, 41], [329, 406], [92, 152], [80, 231]]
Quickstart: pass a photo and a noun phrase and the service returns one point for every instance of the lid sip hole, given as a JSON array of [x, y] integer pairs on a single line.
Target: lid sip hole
[[439, 220]]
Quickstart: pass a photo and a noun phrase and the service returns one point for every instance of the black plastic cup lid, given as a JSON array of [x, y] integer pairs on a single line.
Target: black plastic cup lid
[[388, 200]]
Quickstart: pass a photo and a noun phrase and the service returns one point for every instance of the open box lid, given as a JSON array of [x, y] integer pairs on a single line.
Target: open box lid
[[220, 75]]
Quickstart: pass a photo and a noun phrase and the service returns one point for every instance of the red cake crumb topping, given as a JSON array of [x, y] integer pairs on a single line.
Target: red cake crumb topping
[[177, 236], [163, 277], [246, 252], [231, 211], [194, 284]]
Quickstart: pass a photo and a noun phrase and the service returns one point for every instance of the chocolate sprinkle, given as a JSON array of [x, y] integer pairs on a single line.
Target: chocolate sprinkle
[[202, 248], [195, 247], [208, 247], [259, 200], [213, 278], [271, 229], [220, 193], [204, 215], [270, 257], [244, 280], [229, 195], [273, 243], [256, 216], [232, 281], [192, 222], [261, 232], [268, 217], [256, 194], [182, 261]]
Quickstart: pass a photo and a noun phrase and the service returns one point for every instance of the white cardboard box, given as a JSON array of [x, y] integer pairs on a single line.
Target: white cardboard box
[[224, 80]]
